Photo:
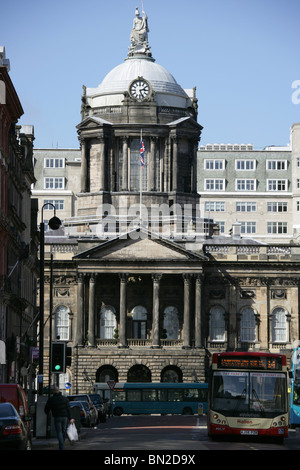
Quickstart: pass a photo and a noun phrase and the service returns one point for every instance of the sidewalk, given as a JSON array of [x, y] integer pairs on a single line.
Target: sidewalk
[[43, 443]]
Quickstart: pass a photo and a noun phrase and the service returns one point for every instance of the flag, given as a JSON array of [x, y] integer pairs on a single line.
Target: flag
[[142, 151]]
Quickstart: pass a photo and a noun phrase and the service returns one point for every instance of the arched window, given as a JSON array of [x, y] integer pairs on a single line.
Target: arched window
[[139, 322], [107, 322], [62, 323], [171, 374], [105, 373], [139, 373], [171, 322], [279, 325], [248, 325], [217, 324]]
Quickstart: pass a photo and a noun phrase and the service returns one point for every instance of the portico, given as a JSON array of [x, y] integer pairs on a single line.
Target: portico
[[139, 292]]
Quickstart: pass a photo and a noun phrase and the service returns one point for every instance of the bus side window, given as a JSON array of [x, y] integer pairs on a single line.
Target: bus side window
[[203, 392], [162, 395], [149, 395], [190, 394], [134, 395], [175, 395], [119, 395]]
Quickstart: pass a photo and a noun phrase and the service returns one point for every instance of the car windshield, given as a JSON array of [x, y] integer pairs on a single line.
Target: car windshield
[[249, 393], [96, 399]]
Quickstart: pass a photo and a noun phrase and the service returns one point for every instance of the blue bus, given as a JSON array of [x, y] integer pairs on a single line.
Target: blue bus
[[159, 398], [295, 389]]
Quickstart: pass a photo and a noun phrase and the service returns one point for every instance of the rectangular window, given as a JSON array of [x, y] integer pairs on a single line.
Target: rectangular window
[[54, 163], [53, 183], [214, 206], [245, 165], [246, 206], [277, 206], [277, 185], [57, 203], [214, 184], [277, 227], [245, 185], [214, 164], [248, 227], [221, 226], [276, 164]]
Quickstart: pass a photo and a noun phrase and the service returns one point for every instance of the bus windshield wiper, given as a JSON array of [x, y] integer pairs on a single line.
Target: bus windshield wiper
[[240, 398], [261, 406]]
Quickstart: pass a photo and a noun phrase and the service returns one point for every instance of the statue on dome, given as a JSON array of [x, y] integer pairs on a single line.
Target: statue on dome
[[139, 34]]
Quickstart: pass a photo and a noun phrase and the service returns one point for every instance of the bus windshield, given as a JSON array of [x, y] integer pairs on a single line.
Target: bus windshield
[[249, 394]]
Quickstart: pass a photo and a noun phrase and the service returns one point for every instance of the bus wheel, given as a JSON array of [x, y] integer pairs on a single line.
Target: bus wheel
[[187, 411], [118, 411]]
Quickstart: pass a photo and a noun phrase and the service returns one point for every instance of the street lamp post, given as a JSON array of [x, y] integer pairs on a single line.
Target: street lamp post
[[54, 223]]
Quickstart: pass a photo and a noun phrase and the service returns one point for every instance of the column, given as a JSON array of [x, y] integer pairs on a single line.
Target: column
[[155, 312], [125, 165], [234, 332], [198, 291], [151, 160], [91, 330], [102, 164], [175, 163], [83, 166], [80, 301], [123, 313], [186, 311], [167, 152]]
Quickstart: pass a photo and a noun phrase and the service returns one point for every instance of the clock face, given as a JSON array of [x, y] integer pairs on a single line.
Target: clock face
[[140, 89]]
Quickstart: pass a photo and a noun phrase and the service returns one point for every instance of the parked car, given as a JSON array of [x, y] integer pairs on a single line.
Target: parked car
[[14, 394], [90, 416], [14, 434], [84, 418], [91, 408], [100, 406]]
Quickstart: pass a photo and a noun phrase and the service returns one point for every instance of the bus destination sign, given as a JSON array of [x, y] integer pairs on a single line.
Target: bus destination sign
[[247, 362]]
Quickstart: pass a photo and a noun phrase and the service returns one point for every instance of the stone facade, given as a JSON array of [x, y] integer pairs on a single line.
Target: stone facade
[[18, 236], [135, 302]]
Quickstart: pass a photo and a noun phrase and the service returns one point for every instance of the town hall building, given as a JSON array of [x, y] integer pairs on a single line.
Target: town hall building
[[140, 284]]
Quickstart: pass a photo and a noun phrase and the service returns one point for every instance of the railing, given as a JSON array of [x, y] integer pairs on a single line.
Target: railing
[[140, 343], [262, 252]]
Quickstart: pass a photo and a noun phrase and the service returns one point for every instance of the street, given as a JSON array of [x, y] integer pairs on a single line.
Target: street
[[184, 436]]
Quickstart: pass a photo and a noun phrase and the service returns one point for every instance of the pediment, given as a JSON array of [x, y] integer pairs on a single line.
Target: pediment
[[140, 246], [185, 122], [92, 122]]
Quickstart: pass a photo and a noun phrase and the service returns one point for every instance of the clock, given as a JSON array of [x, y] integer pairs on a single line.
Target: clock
[[139, 89]]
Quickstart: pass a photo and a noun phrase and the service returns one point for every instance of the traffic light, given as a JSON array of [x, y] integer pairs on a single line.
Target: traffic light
[[58, 358]]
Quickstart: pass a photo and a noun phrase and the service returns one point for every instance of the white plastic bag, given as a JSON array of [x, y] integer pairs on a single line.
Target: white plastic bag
[[72, 432]]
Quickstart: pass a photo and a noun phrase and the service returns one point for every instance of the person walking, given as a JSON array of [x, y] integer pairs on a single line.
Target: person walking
[[59, 406]]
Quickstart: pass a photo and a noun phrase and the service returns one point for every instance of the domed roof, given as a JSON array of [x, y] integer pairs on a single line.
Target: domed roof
[[111, 91], [119, 79], [139, 63]]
